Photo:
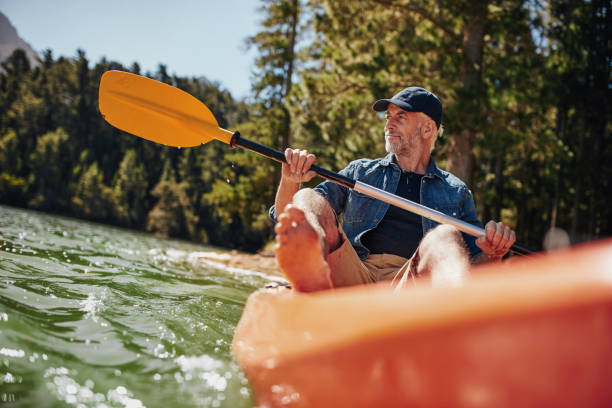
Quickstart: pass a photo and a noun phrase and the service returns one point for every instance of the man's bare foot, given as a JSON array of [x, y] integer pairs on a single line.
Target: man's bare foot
[[299, 252]]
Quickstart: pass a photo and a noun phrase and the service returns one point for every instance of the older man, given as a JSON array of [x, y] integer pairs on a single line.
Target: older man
[[377, 241]]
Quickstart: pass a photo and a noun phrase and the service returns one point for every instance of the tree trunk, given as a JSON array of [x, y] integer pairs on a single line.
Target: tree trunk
[[598, 81], [561, 122], [286, 137], [460, 159], [578, 185], [499, 186]]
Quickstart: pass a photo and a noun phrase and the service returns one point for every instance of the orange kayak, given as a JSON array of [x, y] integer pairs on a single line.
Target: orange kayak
[[536, 332]]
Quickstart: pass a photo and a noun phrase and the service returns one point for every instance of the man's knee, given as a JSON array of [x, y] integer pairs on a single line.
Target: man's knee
[[443, 256], [320, 214], [443, 234], [306, 196], [312, 202], [443, 240]]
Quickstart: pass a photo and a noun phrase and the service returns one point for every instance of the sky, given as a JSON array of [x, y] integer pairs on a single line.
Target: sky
[[191, 37]]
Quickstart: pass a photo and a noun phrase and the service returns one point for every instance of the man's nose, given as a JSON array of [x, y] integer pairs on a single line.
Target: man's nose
[[390, 124]]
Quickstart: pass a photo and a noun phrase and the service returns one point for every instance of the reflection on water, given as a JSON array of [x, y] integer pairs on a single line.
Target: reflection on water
[[94, 316]]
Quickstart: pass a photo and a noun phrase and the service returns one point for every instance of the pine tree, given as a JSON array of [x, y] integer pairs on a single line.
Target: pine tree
[[130, 191], [173, 215], [92, 199], [578, 36], [12, 186], [242, 201], [47, 181]]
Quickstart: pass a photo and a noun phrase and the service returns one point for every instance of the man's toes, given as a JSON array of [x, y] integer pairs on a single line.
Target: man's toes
[[281, 239], [294, 213], [281, 226], [290, 218], [284, 223]]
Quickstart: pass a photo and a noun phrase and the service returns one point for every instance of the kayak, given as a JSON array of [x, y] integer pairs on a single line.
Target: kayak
[[527, 333]]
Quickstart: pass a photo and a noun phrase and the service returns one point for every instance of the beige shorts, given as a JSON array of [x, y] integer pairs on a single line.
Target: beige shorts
[[347, 269]]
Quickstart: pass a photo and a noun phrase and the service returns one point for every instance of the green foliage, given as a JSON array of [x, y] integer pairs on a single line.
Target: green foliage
[[49, 171], [492, 65], [524, 83], [12, 187], [130, 190], [579, 87], [92, 198], [173, 215], [240, 201], [9, 153], [58, 154]]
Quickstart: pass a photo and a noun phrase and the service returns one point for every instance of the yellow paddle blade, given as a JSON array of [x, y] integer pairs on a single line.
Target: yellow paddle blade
[[156, 111]]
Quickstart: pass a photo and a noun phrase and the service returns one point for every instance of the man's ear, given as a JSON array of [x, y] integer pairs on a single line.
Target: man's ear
[[429, 129]]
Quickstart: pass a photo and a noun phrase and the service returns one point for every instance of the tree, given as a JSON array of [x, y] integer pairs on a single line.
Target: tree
[[130, 191], [242, 202], [579, 63], [481, 58], [47, 181], [273, 81], [12, 187], [93, 199], [524, 83], [172, 215], [57, 152], [12, 75], [369, 49]]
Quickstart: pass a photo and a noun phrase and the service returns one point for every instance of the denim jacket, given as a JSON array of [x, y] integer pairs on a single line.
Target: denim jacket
[[440, 191]]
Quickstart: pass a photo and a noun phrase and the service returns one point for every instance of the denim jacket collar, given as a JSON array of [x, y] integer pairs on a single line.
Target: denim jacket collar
[[432, 169]]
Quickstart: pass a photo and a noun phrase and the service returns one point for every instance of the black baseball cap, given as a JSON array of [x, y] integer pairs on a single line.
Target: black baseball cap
[[414, 99]]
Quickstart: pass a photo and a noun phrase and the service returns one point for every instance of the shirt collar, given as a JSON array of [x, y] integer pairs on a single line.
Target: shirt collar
[[388, 160], [432, 169]]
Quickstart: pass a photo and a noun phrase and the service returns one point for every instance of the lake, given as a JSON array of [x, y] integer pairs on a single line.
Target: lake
[[97, 316]]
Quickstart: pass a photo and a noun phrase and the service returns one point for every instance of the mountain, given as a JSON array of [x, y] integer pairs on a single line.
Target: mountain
[[10, 41]]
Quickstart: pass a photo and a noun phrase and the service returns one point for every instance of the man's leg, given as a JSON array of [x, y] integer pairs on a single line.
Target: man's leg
[[441, 258], [306, 233]]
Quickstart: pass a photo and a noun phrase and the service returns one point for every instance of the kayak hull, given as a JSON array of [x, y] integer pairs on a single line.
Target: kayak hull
[[532, 333]]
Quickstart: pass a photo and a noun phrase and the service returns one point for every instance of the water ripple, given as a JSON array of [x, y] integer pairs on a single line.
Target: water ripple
[[97, 316]]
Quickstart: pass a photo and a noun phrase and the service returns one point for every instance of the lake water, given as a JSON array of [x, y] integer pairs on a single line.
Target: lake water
[[95, 316]]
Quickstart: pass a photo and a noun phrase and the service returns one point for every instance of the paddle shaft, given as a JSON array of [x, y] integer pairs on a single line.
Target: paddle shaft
[[375, 192]]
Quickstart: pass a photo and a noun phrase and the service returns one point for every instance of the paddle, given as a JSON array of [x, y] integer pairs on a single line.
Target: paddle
[[161, 113]]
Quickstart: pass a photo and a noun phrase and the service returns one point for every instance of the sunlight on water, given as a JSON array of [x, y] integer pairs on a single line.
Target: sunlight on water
[[94, 316]]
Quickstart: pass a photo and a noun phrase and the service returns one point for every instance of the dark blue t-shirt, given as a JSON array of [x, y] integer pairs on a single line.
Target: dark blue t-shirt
[[400, 231]]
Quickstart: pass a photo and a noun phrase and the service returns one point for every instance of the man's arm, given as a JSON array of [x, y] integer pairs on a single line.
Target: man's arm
[[294, 172]]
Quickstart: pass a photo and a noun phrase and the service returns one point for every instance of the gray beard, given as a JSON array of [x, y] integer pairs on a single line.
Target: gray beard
[[403, 146], [396, 148]]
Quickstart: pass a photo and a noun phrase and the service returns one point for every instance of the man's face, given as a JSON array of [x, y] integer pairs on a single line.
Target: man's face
[[403, 130]]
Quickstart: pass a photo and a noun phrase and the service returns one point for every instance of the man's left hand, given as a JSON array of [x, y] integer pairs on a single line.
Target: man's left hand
[[497, 240]]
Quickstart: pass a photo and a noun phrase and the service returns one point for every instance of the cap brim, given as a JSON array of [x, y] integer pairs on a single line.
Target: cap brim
[[381, 105]]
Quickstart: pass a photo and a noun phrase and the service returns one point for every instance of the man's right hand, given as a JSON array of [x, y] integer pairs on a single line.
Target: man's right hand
[[297, 168]]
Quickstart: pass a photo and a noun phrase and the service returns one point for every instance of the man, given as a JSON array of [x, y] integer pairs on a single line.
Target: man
[[377, 241]]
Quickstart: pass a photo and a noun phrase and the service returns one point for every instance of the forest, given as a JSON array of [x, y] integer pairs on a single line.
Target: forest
[[525, 86]]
